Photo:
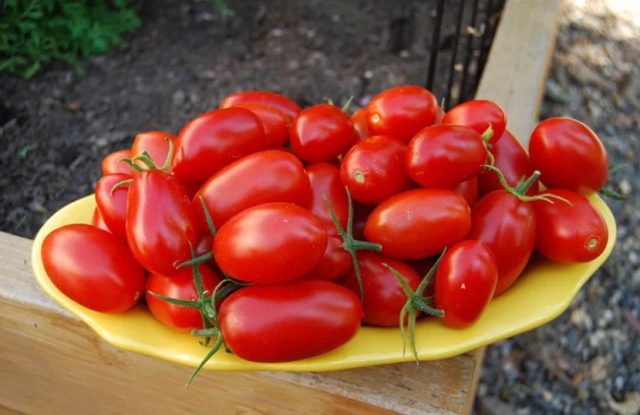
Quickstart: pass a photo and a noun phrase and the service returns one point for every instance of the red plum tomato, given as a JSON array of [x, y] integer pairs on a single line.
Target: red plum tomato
[[478, 114], [269, 99]]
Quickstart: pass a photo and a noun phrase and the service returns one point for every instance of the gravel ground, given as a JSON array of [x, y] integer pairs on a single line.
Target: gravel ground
[[587, 361]]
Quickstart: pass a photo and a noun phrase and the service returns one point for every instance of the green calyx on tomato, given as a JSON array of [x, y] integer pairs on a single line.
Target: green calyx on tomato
[[520, 191], [415, 301]]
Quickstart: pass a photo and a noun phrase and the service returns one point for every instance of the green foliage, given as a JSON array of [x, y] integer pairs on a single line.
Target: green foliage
[[33, 32]]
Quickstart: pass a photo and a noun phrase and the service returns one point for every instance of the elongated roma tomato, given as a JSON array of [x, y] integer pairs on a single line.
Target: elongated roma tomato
[[569, 155], [270, 243], [334, 263], [418, 223], [111, 163], [156, 143], [570, 233], [469, 190], [445, 155], [286, 322], [402, 111], [325, 182], [275, 123], [263, 177], [508, 226], [214, 139], [179, 286], [359, 119], [98, 221], [465, 282], [270, 99], [113, 204], [478, 114], [93, 267], [161, 223]]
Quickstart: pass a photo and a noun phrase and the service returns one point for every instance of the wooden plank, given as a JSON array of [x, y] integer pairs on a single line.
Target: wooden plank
[[516, 69], [51, 362]]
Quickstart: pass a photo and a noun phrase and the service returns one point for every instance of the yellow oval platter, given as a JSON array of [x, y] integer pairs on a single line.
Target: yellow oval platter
[[541, 294]]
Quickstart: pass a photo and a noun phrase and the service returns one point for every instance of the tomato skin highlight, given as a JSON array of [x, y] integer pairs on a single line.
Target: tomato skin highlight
[[445, 155], [569, 155], [270, 243], [156, 143], [570, 233], [111, 163], [160, 222], [508, 226], [267, 98], [465, 282], [263, 177], [215, 139], [373, 169], [93, 267], [321, 133], [292, 321], [478, 114], [418, 223], [402, 111], [325, 182], [179, 286], [383, 295], [113, 205], [275, 123], [512, 159]]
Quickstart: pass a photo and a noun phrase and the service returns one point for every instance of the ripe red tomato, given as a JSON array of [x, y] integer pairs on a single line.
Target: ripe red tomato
[[93, 267], [418, 223], [569, 233], [402, 111], [161, 224], [465, 282], [111, 163], [270, 99], [334, 263], [263, 177], [285, 322], [325, 182], [275, 123], [569, 155], [321, 133], [156, 143], [373, 169], [512, 159], [270, 243], [214, 139], [359, 119], [179, 286], [469, 190], [98, 221], [445, 155], [508, 226], [383, 295], [478, 114], [113, 205]]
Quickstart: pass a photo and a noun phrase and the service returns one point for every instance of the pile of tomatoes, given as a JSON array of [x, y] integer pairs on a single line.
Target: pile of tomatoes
[[279, 231]]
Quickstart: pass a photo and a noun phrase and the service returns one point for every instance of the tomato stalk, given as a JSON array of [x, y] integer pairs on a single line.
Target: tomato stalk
[[415, 301], [349, 243], [521, 189], [209, 255]]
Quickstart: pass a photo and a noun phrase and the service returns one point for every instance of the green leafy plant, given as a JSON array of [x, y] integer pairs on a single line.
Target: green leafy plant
[[33, 32]]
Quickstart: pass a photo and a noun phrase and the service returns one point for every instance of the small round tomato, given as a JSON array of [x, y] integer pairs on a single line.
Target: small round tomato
[[275, 123], [465, 282], [418, 223], [508, 226], [181, 287], [155, 143], [325, 183], [373, 169], [270, 99], [402, 111], [112, 204], [359, 119], [469, 190], [270, 243], [263, 177], [569, 233], [382, 293], [334, 263], [93, 267], [512, 160], [214, 139], [445, 155], [569, 155], [285, 322], [112, 164], [161, 224], [478, 114], [321, 133]]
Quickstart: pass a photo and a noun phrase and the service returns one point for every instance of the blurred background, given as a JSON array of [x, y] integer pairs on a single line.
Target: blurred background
[[122, 67]]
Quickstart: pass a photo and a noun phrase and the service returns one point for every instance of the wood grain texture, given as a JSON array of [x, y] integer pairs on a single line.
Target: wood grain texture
[[50, 362], [516, 69]]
